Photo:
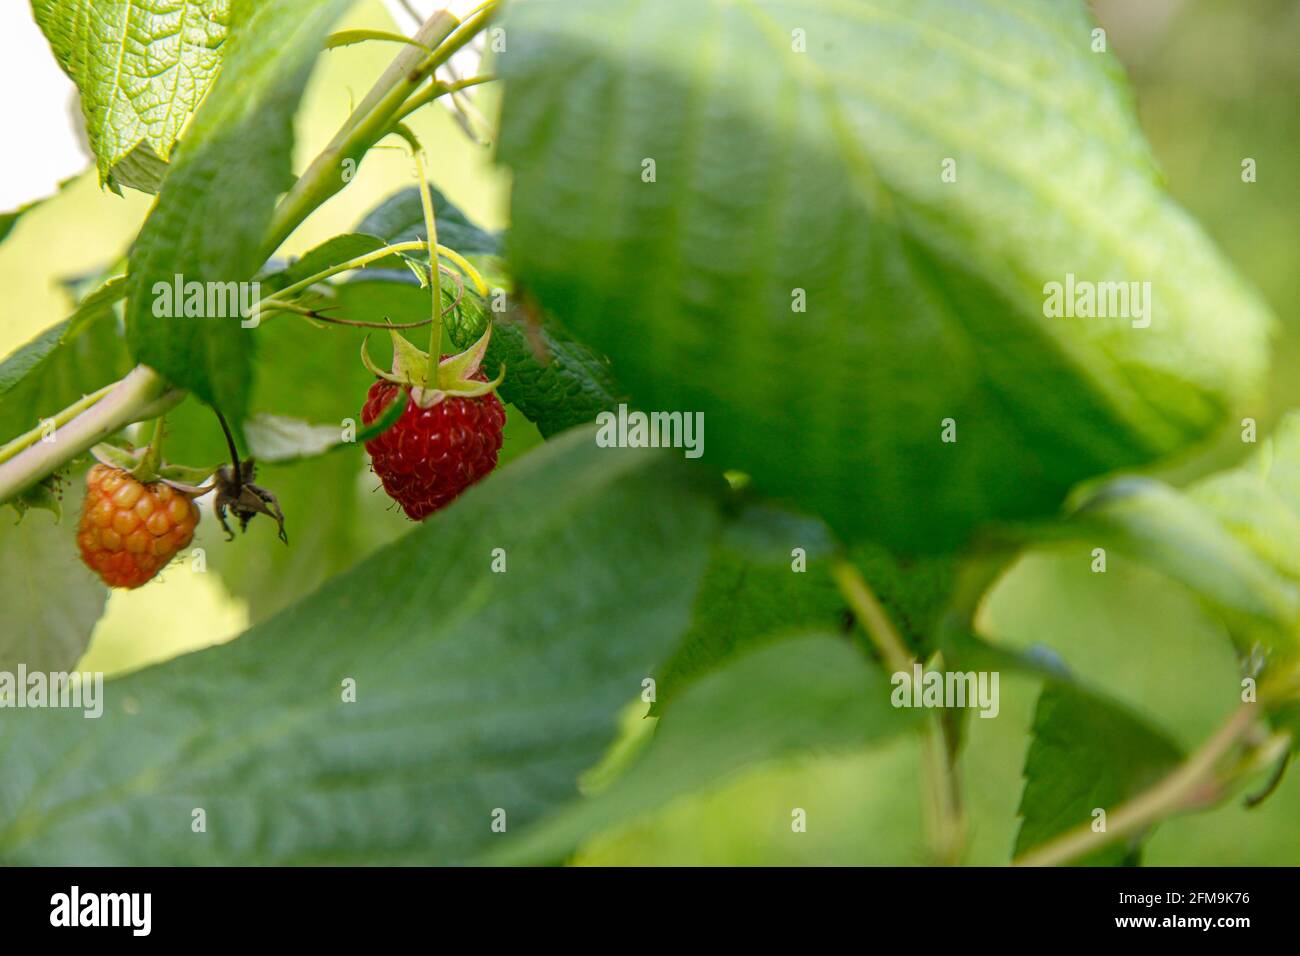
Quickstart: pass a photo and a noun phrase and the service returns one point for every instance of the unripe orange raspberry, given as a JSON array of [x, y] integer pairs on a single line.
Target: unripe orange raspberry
[[129, 530]]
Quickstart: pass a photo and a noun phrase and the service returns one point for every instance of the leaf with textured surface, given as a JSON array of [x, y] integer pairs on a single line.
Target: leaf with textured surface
[[474, 690], [554, 379], [141, 66], [751, 595], [210, 221], [779, 170], [804, 695], [50, 601], [1087, 753]]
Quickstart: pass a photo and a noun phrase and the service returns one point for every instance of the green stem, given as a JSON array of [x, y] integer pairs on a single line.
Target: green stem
[[372, 119], [142, 394], [61, 418], [866, 606], [437, 90], [147, 470], [359, 262], [943, 789], [1193, 785], [435, 275]]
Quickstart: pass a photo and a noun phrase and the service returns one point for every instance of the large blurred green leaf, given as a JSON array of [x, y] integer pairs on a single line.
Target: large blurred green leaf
[[77, 356], [475, 690], [782, 168], [141, 67], [806, 696], [211, 217], [1087, 754], [50, 602]]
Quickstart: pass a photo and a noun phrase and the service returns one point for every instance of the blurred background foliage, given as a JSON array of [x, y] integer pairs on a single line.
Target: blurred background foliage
[[1215, 82]]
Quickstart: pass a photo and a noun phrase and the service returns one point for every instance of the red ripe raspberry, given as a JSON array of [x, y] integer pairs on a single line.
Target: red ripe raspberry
[[433, 454], [129, 530]]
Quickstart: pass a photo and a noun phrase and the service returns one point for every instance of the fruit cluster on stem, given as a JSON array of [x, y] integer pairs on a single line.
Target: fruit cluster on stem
[[142, 393]]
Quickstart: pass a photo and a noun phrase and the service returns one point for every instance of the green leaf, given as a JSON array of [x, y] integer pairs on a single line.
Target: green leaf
[[1087, 754], [814, 694], [43, 496], [786, 178], [50, 601], [279, 438], [77, 356], [751, 594], [915, 590], [142, 169], [555, 380], [1260, 501], [141, 68], [1170, 531], [210, 220], [1233, 537], [474, 690]]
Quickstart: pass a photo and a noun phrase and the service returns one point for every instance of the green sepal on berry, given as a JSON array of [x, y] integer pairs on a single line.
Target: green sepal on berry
[[455, 373], [141, 466]]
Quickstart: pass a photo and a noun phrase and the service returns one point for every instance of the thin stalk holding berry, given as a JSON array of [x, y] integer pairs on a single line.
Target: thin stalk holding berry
[[435, 274]]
